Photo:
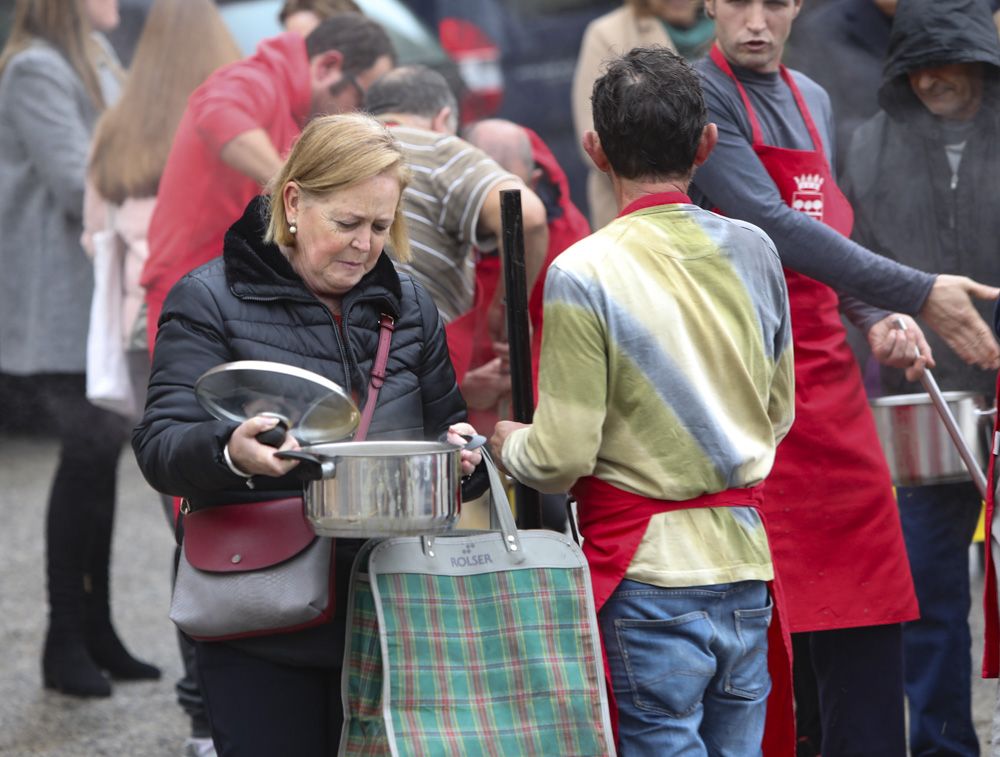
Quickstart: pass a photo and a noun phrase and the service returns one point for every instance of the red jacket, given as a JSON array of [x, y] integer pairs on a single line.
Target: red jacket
[[199, 195], [567, 225]]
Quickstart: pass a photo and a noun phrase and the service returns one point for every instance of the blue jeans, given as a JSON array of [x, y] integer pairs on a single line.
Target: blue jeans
[[938, 523], [688, 667]]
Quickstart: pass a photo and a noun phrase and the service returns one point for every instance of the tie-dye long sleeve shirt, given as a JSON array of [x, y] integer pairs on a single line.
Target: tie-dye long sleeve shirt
[[666, 370]]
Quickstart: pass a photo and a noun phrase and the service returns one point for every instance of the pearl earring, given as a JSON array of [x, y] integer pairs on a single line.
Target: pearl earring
[[292, 228]]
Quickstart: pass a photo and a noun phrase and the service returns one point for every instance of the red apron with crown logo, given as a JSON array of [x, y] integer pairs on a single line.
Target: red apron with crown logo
[[832, 519]]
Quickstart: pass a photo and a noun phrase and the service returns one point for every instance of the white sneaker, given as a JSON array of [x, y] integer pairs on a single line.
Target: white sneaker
[[195, 747]]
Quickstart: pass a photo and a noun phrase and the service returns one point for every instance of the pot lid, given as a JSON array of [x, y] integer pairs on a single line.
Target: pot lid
[[314, 408]]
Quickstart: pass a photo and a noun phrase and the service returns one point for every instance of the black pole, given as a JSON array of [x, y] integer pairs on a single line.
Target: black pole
[[529, 509]]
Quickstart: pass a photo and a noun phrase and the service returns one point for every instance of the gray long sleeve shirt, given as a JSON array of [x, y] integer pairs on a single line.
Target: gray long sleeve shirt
[[735, 181]]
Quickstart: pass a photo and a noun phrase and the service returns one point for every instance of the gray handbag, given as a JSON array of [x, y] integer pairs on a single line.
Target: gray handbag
[[251, 570]]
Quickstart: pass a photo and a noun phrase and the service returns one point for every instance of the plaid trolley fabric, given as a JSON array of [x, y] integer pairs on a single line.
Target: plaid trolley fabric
[[460, 645]]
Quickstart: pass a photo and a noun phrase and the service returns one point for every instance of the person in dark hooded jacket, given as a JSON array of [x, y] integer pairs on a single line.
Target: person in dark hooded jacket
[[921, 176]]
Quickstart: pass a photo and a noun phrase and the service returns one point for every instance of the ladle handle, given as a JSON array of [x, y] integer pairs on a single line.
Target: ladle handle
[[932, 388]]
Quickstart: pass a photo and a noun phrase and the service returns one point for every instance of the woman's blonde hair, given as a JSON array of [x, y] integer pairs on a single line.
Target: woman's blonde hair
[[333, 154], [64, 25], [182, 42]]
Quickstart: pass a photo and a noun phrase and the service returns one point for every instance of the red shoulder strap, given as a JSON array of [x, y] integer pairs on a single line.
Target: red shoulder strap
[[386, 327]]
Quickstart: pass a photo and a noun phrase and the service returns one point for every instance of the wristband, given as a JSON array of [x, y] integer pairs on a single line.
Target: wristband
[[232, 465]]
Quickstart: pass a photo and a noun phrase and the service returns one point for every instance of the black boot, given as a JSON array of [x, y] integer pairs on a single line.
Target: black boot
[[107, 650], [66, 664], [83, 493], [103, 643], [68, 668]]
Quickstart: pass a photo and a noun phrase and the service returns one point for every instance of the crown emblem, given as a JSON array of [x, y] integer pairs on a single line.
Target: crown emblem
[[810, 182]]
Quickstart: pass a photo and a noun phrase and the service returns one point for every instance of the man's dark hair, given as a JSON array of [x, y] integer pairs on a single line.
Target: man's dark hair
[[415, 90], [649, 113], [359, 39]]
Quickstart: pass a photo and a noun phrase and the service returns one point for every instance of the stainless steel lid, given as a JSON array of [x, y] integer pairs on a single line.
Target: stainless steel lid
[[314, 408]]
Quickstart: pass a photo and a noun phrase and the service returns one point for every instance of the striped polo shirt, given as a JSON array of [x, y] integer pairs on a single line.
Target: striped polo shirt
[[666, 370], [451, 180]]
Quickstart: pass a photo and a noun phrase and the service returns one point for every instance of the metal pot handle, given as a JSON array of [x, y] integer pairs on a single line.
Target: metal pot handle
[[317, 468], [502, 511]]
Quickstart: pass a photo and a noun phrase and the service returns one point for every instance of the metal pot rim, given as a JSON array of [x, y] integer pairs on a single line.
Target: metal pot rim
[[898, 400], [381, 449]]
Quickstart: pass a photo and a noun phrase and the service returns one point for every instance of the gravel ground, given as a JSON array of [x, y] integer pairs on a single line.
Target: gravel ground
[[140, 719]]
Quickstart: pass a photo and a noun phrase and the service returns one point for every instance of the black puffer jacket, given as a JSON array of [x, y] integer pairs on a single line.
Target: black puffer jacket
[[899, 180], [250, 305]]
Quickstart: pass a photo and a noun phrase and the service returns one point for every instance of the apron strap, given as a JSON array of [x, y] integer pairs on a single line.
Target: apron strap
[[758, 136], [386, 327]]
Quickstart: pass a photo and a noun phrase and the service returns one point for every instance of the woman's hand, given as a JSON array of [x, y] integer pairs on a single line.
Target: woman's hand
[[257, 459], [470, 458]]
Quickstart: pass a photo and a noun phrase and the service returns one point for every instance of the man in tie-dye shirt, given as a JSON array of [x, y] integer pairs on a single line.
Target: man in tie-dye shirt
[[666, 383]]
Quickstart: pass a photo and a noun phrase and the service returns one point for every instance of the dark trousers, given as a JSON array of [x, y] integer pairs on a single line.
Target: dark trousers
[[857, 702], [259, 708], [81, 506], [938, 523], [187, 688]]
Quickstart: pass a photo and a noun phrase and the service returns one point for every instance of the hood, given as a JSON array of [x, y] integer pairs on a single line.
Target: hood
[[554, 186], [937, 32]]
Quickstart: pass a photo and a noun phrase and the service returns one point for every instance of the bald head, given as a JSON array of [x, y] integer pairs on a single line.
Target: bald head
[[508, 144]]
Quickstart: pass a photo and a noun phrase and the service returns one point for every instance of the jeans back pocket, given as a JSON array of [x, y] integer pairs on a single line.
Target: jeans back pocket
[[668, 662], [748, 677]]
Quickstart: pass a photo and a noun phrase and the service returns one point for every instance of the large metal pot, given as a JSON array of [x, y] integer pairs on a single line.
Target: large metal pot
[[366, 489], [917, 444]]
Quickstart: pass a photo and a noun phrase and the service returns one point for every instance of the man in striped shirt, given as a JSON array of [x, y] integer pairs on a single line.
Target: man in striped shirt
[[666, 383], [452, 205]]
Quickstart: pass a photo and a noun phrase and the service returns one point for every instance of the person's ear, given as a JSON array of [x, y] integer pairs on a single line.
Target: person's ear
[[710, 8], [709, 138], [326, 69], [442, 122], [592, 146], [291, 196]]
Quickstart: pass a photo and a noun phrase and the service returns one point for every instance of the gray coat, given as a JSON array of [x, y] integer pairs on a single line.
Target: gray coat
[[46, 121]]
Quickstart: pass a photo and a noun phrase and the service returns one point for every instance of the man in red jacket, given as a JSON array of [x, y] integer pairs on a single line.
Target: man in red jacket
[[238, 126]]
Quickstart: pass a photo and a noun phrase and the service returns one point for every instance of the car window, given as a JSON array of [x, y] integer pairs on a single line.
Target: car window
[[251, 21]]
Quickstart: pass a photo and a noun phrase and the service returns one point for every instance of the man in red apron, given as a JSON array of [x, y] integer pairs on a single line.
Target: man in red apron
[[832, 518], [666, 382]]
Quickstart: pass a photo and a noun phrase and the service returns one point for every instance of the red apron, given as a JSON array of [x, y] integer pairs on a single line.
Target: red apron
[[832, 519], [991, 610], [612, 523]]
